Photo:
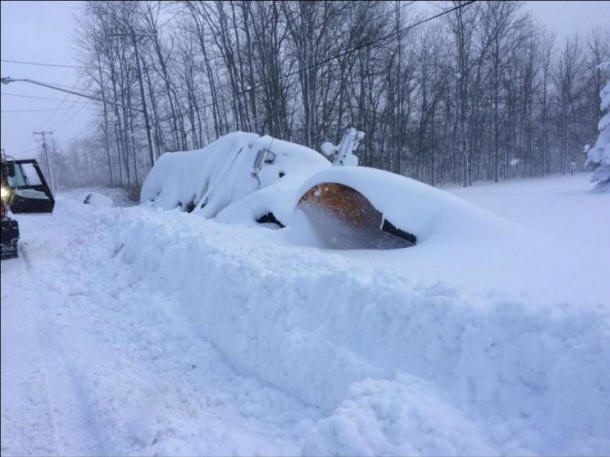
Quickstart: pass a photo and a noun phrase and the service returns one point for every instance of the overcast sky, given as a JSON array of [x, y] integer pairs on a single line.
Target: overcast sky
[[43, 32]]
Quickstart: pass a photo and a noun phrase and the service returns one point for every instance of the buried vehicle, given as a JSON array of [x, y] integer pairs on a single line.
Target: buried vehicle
[[251, 179]]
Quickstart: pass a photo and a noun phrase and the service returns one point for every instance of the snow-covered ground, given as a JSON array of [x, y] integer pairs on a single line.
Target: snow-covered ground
[[140, 331]]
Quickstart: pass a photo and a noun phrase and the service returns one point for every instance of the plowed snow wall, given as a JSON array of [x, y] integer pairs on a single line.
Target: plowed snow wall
[[314, 325]]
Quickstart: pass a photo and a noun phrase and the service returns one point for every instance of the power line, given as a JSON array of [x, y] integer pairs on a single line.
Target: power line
[[396, 33], [65, 86], [39, 98], [378, 40], [45, 4], [71, 116], [27, 150], [63, 101], [33, 110], [7, 80], [42, 64], [406, 29]]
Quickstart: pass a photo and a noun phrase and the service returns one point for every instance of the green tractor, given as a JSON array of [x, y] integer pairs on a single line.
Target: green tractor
[[24, 190]]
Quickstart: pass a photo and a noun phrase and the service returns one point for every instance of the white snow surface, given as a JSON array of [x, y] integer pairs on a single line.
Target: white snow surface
[[140, 331], [97, 199]]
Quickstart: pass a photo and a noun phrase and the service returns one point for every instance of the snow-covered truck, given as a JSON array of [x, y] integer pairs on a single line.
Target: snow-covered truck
[[251, 179]]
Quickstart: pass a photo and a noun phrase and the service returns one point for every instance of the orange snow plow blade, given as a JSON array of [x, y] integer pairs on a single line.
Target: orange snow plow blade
[[343, 218]]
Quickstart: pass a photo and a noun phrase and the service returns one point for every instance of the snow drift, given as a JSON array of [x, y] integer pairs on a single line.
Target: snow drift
[[397, 365], [428, 213], [521, 377], [200, 338]]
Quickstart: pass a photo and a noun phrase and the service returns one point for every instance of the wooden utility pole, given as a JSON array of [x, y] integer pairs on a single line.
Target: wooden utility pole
[[43, 134]]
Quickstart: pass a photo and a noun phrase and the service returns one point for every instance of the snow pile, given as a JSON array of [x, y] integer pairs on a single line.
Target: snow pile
[[428, 213], [404, 417], [94, 363], [97, 199], [487, 370], [398, 360], [599, 154], [167, 334], [222, 180], [105, 196]]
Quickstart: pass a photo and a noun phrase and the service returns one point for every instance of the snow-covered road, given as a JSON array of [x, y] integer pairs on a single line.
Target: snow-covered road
[[134, 331], [95, 364]]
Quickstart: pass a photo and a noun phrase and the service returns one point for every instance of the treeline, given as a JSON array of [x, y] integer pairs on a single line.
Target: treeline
[[480, 92]]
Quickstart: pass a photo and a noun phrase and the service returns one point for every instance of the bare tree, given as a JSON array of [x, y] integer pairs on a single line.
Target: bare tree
[[482, 108]]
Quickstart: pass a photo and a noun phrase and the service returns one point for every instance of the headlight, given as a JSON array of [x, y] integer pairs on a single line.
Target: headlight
[[5, 193]]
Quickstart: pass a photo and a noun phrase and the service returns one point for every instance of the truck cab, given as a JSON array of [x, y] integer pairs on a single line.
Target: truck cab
[[24, 190]]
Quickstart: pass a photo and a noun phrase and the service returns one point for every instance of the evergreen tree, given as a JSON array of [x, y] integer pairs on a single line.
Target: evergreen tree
[[599, 155]]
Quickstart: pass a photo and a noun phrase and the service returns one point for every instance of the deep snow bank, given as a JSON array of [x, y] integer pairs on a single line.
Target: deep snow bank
[[428, 213], [534, 377], [404, 416]]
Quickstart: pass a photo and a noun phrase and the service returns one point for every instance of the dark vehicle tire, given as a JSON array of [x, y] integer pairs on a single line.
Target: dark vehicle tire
[[10, 238], [9, 250]]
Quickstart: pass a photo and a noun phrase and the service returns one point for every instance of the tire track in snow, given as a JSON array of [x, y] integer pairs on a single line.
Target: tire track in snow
[[28, 426], [128, 365], [74, 423]]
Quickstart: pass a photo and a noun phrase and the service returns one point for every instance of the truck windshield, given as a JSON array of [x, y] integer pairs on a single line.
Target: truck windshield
[[25, 175]]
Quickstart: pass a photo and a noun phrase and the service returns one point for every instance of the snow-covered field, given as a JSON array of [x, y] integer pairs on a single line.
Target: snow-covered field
[[139, 331]]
